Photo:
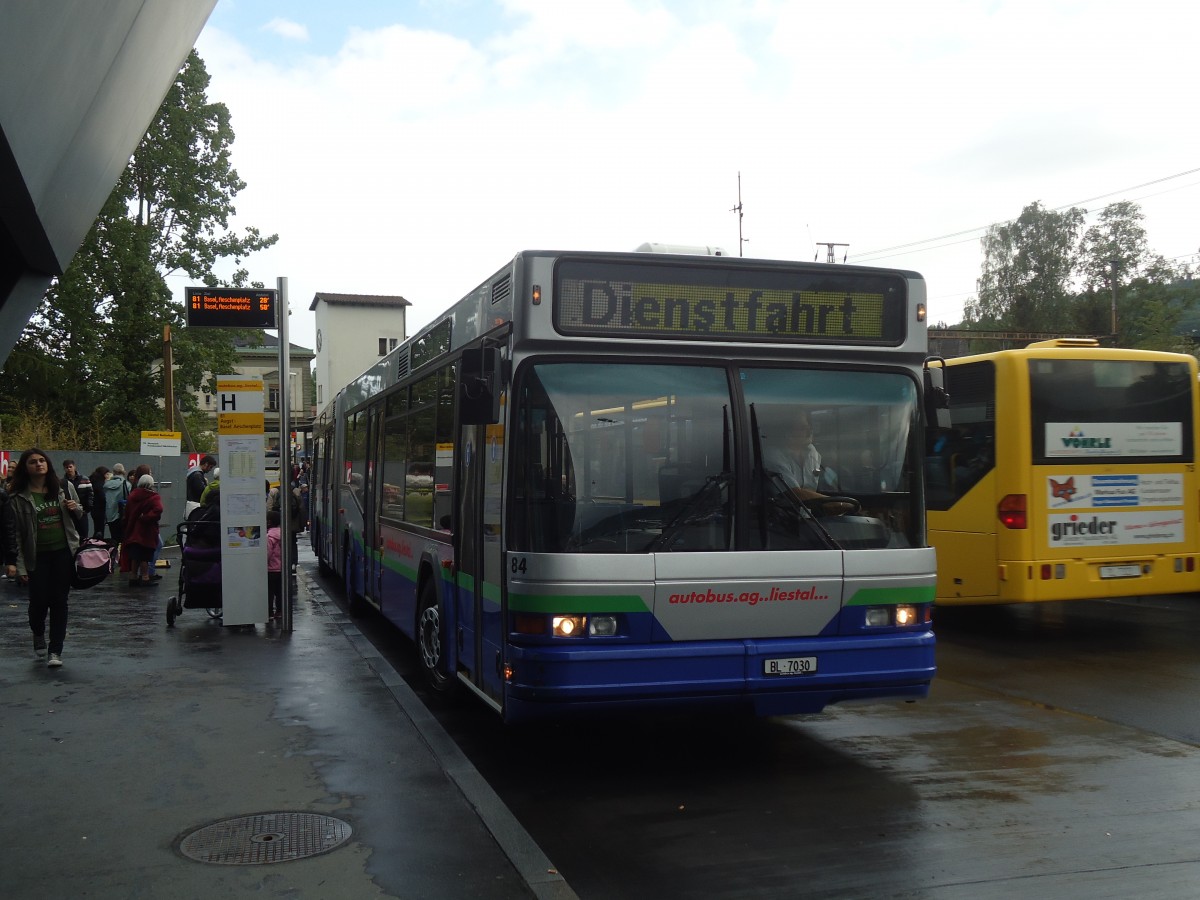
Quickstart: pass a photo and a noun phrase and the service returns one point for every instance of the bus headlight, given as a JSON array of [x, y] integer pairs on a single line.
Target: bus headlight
[[879, 616], [901, 615], [602, 626], [568, 626]]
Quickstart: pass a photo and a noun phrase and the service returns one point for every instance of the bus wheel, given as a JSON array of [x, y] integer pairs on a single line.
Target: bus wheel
[[430, 640]]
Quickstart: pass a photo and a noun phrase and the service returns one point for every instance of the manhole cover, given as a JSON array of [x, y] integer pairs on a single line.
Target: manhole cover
[[265, 838]]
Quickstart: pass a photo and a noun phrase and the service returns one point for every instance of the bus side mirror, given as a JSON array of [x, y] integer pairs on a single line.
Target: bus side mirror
[[479, 387], [937, 398]]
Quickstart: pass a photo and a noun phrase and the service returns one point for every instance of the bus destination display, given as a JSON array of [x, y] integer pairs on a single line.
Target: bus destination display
[[231, 307], [781, 306]]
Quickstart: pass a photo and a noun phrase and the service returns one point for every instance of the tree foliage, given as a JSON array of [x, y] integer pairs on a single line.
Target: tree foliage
[[1043, 272], [1028, 266], [1117, 239], [95, 345]]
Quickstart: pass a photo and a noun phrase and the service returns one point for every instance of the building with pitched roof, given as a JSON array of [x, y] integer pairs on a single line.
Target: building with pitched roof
[[353, 332]]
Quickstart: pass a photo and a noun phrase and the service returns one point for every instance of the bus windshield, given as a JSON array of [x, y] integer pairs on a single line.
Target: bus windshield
[[637, 458]]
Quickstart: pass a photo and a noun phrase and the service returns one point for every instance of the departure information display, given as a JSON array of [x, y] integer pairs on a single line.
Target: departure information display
[[682, 302], [231, 307]]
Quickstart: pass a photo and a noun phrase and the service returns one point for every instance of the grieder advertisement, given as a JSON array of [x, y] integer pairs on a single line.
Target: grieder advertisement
[[240, 437], [1132, 508]]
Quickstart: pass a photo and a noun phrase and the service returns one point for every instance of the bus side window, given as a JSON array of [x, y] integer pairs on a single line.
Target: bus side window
[[962, 455], [444, 452]]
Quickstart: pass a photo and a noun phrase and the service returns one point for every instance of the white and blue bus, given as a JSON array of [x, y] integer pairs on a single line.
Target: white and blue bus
[[565, 488]]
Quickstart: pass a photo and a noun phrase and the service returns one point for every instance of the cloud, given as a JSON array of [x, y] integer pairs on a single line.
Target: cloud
[[292, 31], [414, 159]]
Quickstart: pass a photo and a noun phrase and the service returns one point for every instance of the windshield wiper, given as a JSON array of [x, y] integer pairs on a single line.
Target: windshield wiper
[[693, 509], [802, 512]]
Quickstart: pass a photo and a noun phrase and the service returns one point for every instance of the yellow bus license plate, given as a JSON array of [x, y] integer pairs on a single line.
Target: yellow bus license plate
[[1120, 571]]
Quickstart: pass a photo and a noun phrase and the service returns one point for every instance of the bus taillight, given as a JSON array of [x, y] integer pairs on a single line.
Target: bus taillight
[[1012, 511]]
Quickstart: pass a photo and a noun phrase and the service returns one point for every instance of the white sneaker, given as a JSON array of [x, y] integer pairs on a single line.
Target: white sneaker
[[53, 661]]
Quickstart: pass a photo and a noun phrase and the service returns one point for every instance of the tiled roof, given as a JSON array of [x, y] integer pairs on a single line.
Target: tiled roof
[[359, 299]]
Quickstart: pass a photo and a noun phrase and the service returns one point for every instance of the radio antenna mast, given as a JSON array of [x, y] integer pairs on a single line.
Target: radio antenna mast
[[738, 209]]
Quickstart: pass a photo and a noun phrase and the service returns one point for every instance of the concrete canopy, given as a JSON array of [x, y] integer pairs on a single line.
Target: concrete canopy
[[80, 83]]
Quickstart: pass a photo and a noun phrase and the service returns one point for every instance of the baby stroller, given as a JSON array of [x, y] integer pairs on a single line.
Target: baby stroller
[[199, 570]]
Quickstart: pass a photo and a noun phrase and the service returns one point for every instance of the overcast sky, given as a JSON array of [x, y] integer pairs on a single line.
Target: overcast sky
[[411, 148]]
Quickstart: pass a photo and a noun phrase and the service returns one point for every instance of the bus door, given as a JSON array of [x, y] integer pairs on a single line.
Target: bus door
[[964, 489], [316, 495], [468, 554], [479, 556], [372, 536]]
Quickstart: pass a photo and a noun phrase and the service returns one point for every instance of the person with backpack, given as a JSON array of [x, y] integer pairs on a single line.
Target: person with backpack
[[116, 492], [45, 515]]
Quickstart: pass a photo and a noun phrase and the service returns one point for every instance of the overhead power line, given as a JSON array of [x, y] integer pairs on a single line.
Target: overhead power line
[[973, 231]]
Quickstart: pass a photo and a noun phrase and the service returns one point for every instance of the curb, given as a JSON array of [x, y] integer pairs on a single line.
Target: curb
[[541, 877]]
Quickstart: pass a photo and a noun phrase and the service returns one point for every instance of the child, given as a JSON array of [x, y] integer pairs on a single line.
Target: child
[[274, 566]]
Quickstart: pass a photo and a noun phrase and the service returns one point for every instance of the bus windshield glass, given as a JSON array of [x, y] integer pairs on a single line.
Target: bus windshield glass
[[830, 433], [636, 458], [1083, 411]]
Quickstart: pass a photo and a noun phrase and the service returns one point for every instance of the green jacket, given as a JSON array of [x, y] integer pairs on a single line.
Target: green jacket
[[24, 522]]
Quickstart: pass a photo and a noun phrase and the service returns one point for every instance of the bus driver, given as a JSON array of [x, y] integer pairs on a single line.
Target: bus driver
[[797, 459], [798, 462]]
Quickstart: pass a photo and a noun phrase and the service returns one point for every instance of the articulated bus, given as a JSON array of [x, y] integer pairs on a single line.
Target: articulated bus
[[561, 489], [1069, 474]]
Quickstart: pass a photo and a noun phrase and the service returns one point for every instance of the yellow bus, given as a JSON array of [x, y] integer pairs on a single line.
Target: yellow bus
[[1069, 473]]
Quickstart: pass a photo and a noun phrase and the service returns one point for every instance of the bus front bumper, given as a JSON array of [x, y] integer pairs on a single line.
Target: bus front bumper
[[557, 679]]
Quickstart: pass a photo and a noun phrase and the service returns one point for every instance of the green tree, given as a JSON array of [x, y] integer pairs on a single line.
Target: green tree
[[1119, 239], [1028, 273], [1151, 310], [95, 344], [1115, 246]]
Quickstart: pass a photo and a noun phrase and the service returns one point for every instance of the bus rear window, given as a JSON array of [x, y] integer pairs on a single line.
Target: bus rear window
[[1083, 411]]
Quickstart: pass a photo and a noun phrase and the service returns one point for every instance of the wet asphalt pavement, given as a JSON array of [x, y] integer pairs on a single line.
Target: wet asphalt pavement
[[148, 734], [1058, 756]]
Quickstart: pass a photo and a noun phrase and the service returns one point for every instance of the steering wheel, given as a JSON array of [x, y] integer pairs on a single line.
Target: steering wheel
[[822, 506]]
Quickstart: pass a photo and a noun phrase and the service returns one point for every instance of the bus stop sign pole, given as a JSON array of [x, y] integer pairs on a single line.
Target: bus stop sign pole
[[285, 465]]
